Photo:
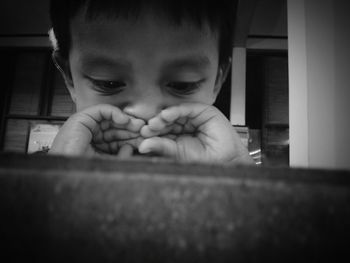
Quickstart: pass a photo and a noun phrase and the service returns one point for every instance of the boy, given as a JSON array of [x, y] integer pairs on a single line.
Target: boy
[[143, 76]]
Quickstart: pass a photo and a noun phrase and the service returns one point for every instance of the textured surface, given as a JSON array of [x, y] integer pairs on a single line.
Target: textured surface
[[57, 209]]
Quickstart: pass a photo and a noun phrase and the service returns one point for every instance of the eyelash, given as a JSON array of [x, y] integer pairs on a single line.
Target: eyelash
[[184, 88], [108, 87]]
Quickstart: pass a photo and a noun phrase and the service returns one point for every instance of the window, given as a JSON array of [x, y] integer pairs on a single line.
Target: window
[[33, 93], [267, 107]]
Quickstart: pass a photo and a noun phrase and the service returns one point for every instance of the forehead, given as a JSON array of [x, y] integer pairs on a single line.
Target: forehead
[[149, 36]]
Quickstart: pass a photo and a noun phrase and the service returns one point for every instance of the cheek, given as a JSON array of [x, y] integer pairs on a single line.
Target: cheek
[[208, 98], [86, 97], [203, 96], [206, 94]]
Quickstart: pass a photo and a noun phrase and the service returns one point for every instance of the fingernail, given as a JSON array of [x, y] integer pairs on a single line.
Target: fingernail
[[144, 150]]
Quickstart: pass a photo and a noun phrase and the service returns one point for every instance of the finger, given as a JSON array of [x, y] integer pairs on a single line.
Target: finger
[[147, 132], [118, 134], [196, 113], [105, 125], [158, 123], [101, 112], [113, 135], [109, 112], [90, 118], [160, 146], [103, 148], [106, 156], [133, 142], [170, 136], [191, 115], [182, 120], [135, 125], [175, 128], [155, 127], [125, 151], [115, 146]]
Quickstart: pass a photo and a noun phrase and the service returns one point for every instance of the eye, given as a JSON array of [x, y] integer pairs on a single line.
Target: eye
[[184, 88], [108, 86]]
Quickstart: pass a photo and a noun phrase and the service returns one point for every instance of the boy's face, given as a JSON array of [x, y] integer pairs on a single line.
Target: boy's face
[[143, 65]]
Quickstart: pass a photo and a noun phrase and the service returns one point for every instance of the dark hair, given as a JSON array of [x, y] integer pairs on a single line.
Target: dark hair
[[219, 14]]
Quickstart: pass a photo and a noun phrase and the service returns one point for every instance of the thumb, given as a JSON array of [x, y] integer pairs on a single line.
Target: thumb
[[159, 145]]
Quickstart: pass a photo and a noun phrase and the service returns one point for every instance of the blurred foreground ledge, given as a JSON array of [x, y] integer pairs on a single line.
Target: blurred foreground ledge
[[56, 209]]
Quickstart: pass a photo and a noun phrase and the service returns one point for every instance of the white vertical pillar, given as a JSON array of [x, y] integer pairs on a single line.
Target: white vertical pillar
[[298, 85], [238, 86], [319, 70], [342, 79]]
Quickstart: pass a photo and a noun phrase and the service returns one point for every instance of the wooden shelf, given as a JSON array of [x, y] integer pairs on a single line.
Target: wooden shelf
[[35, 117]]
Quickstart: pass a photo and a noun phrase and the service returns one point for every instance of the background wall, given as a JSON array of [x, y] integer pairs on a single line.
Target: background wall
[[20, 17], [270, 18], [31, 17]]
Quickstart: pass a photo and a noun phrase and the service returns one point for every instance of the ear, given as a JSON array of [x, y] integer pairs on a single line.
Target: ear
[[223, 71], [62, 65]]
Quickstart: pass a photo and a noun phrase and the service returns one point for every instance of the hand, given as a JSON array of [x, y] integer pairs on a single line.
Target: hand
[[98, 130], [193, 132]]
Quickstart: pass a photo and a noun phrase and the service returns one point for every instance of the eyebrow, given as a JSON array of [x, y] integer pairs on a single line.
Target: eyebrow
[[193, 62], [190, 62], [96, 61]]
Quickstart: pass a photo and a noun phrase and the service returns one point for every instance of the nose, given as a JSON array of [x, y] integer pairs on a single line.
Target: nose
[[145, 105]]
